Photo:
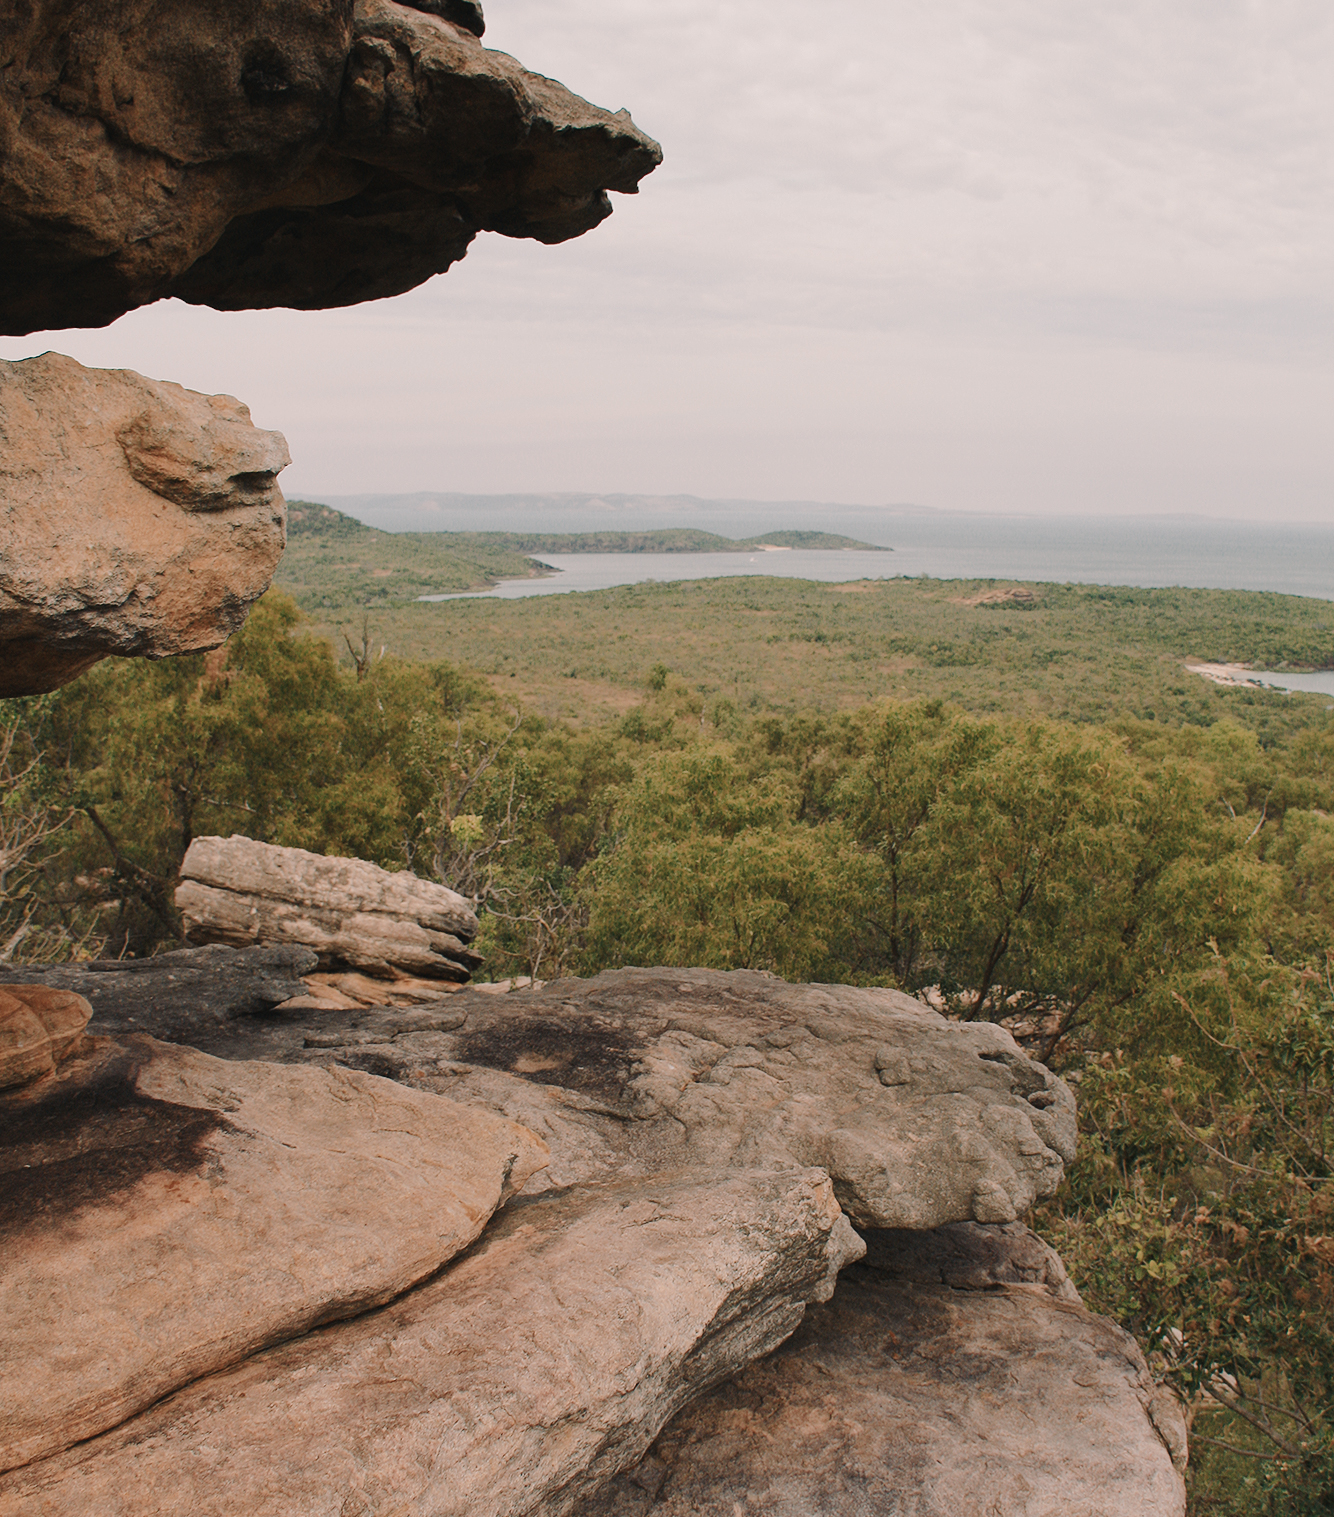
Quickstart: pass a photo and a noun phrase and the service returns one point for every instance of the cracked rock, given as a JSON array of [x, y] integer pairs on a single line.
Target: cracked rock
[[904, 1394], [521, 1380], [164, 1214], [350, 914]]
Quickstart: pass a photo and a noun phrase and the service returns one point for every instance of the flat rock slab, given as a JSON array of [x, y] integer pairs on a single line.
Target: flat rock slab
[[164, 1214], [350, 913], [918, 1120], [178, 996], [519, 1381], [905, 1399]]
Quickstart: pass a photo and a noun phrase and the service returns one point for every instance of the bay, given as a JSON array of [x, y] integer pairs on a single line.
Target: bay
[[1288, 558]]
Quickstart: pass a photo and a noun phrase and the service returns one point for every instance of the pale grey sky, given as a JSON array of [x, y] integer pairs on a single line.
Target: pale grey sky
[[1010, 255]]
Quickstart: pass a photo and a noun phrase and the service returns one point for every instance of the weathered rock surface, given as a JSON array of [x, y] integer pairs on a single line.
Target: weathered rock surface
[[180, 996], [164, 1214], [136, 517], [350, 913], [39, 1027], [901, 1396], [518, 1381], [303, 153], [918, 1120]]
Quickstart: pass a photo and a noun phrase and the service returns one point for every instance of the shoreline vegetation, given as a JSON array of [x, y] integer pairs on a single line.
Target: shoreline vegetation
[[1014, 799], [334, 559]]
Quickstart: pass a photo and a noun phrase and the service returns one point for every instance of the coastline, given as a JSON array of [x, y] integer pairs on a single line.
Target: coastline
[[1236, 675]]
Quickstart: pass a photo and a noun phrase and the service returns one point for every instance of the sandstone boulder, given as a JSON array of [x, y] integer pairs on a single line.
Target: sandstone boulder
[[177, 996], [904, 1396], [39, 1026], [303, 153], [919, 1121], [350, 913], [519, 1381], [164, 1214], [136, 517]]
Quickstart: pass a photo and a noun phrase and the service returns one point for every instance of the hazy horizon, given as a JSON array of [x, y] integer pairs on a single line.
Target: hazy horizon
[[989, 256], [645, 502]]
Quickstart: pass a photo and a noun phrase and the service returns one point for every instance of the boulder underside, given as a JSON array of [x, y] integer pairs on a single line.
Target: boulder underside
[[304, 153]]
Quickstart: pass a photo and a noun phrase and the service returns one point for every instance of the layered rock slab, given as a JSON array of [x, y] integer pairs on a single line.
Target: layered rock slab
[[306, 153], [164, 1214], [136, 518], [351, 914], [918, 1120], [519, 1381], [905, 1395], [39, 1026]]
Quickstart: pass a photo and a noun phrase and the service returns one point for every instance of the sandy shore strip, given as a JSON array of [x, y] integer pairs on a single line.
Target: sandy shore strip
[[1230, 674]]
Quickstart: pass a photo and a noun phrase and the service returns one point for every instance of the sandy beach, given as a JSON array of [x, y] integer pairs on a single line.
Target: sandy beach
[[1229, 674]]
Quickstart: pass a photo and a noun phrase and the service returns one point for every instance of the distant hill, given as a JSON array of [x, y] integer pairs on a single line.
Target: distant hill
[[446, 511], [335, 564]]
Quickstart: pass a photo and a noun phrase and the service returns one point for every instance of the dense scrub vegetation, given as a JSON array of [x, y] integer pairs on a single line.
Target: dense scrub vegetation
[[1133, 870], [754, 644]]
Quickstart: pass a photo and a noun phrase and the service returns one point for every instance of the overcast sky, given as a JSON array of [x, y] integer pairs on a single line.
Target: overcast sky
[[1001, 255]]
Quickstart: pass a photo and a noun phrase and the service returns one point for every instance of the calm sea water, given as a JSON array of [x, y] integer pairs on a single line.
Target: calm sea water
[[1292, 559]]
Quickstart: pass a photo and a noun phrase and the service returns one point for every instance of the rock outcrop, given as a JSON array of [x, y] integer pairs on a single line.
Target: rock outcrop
[[918, 1120], [182, 996], [704, 1129], [907, 1395], [305, 153], [136, 517], [519, 1381], [351, 914], [165, 1214], [39, 1026]]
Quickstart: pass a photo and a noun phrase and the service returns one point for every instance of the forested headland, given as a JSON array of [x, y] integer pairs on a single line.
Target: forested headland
[[335, 563], [1011, 799]]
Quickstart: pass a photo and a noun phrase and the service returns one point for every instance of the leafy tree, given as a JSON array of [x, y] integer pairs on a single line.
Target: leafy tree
[[709, 868]]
